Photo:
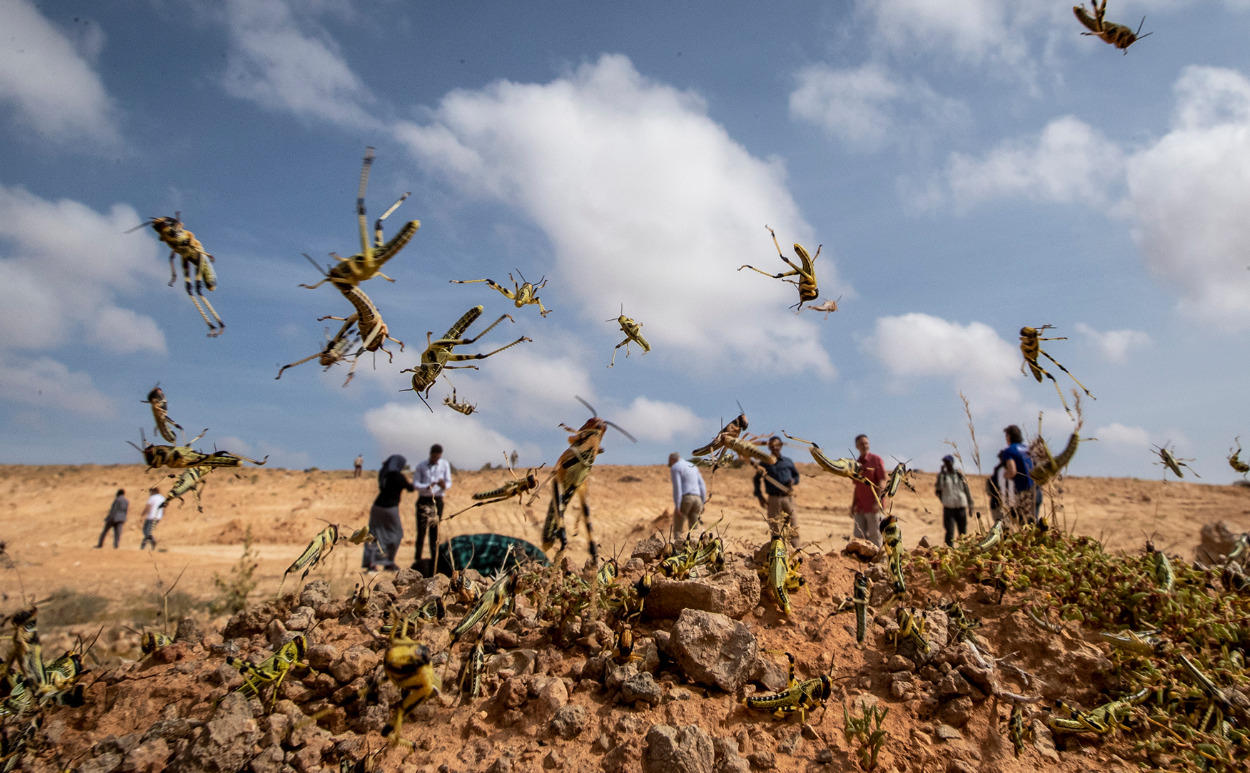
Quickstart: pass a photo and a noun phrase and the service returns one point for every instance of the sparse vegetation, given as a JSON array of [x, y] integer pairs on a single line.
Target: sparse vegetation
[[70, 607], [241, 582], [866, 732]]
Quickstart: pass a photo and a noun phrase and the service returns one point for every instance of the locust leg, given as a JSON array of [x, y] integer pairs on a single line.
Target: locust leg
[[772, 276], [173, 272], [594, 551], [1065, 370], [298, 362], [221, 326], [186, 277], [482, 356], [366, 249], [624, 343]]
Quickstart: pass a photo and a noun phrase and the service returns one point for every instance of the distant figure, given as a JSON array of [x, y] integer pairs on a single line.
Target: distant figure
[[689, 495], [115, 519], [512, 459], [1017, 464], [780, 480], [384, 521], [952, 489], [152, 513], [432, 478], [865, 504], [996, 489], [360, 465]]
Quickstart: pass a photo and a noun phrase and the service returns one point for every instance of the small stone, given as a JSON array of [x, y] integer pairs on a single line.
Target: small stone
[[947, 733], [959, 766], [315, 594], [641, 688], [512, 694], [189, 630], [301, 619], [568, 722], [712, 649], [957, 712], [554, 760], [900, 663], [504, 639], [898, 690], [824, 756], [275, 633], [553, 697], [764, 760], [105, 763], [924, 542], [355, 662], [791, 745], [320, 656], [648, 549], [1043, 741], [501, 765], [862, 549], [602, 743], [678, 750]]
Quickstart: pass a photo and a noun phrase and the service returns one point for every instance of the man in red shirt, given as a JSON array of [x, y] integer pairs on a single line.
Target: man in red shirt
[[865, 507]]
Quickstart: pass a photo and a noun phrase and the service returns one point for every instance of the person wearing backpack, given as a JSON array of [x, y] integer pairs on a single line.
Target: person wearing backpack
[[952, 488]]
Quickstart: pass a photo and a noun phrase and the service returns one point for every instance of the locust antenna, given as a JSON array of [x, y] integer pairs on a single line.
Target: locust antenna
[[593, 412], [147, 223], [623, 432], [316, 265]]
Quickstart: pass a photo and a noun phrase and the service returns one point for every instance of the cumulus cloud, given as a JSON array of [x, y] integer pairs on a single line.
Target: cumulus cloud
[[860, 106], [286, 63], [1120, 435], [1189, 193], [52, 289], [46, 383], [1114, 345], [46, 78], [409, 429], [973, 357], [975, 31], [1069, 162], [659, 421], [645, 200]]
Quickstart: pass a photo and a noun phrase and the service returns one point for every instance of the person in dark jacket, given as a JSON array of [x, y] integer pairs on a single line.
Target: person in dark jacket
[[779, 479], [115, 519], [384, 522]]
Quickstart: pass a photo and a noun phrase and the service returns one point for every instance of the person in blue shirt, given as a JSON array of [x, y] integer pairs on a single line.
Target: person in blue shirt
[[1017, 464], [689, 495], [779, 482]]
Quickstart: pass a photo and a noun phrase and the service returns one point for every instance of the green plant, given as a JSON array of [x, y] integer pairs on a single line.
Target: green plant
[[235, 588], [866, 732]]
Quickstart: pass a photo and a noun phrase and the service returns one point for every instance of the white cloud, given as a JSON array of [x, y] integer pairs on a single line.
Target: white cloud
[[47, 80], [278, 457], [1114, 344], [659, 421], [284, 63], [1069, 162], [645, 200], [410, 429], [52, 289], [976, 31], [972, 356], [47, 384], [1189, 194], [1120, 435], [860, 106]]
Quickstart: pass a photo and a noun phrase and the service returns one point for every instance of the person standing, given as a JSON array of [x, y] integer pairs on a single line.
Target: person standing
[[512, 459], [384, 522], [952, 488], [780, 479], [432, 478], [689, 495], [115, 519], [866, 500], [153, 511], [1017, 464], [360, 464]]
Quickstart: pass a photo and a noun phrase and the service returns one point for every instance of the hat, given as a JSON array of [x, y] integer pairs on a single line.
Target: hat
[[948, 458]]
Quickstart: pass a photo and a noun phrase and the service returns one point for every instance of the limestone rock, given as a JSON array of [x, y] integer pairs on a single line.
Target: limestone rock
[[712, 649], [677, 750], [733, 593]]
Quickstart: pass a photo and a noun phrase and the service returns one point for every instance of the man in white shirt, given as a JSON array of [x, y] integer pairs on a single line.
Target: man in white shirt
[[432, 479], [152, 513], [689, 495]]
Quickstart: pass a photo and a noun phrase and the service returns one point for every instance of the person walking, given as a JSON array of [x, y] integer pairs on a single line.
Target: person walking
[[689, 495], [153, 511], [780, 479], [866, 499], [360, 464], [384, 522], [1017, 464], [432, 478], [115, 519], [952, 488]]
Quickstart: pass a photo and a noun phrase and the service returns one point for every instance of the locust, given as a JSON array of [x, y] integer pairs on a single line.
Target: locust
[[798, 697], [440, 352], [431, 610], [272, 670], [319, 549], [828, 307], [1117, 35], [1172, 462], [350, 272], [182, 243], [859, 598], [632, 331], [570, 478], [457, 406], [517, 487], [369, 324], [892, 538], [336, 350], [911, 624], [521, 295], [474, 669], [843, 468], [61, 682], [160, 413], [1101, 720], [730, 431], [151, 641], [1049, 466], [182, 457], [781, 573], [731, 440], [1132, 641], [1234, 460], [408, 665], [1015, 728], [994, 536], [806, 273], [493, 604], [193, 480], [1162, 568], [360, 597], [1030, 347]]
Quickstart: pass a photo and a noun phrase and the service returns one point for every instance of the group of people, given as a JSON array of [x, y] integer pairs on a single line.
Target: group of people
[[431, 479], [153, 511]]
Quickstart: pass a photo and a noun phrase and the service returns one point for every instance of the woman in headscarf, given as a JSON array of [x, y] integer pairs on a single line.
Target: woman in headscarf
[[384, 522]]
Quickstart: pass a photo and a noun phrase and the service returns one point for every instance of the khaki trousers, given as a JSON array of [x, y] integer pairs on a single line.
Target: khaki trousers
[[777, 506], [867, 526], [688, 517]]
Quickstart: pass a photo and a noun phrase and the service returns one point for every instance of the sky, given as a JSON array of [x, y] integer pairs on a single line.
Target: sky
[[965, 168]]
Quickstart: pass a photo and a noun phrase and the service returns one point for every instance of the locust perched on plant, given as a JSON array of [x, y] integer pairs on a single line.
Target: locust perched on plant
[[350, 272], [1046, 468], [521, 295], [517, 487], [570, 478], [160, 413], [457, 406], [632, 331], [992, 538], [1173, 463], [1101, 720], [1117, 35], [1030, 347], [798, 697], [184, 244], [440, 352], [806, 273], [336, 350], [272, 670], [892, 538]]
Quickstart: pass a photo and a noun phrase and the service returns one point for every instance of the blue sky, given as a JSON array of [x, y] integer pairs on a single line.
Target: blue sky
[[969, 168]]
